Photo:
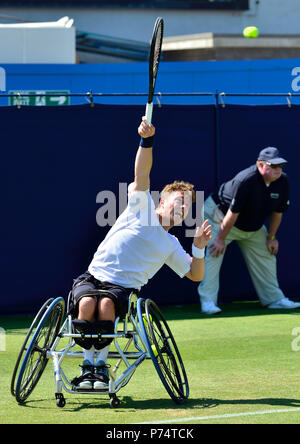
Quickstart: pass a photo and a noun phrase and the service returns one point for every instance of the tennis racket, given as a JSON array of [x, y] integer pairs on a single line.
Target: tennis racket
[[155, 50]]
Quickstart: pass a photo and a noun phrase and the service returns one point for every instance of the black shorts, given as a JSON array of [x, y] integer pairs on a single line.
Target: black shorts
[[84, 285]]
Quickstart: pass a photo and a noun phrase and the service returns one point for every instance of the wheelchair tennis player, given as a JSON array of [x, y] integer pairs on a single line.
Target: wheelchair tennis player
[[135, 248]]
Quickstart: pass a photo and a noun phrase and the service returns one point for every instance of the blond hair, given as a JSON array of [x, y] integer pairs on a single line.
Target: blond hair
[[179, 185]]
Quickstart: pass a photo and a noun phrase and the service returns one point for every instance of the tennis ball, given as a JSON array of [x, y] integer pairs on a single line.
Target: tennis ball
[[251, 32], [154, 349]]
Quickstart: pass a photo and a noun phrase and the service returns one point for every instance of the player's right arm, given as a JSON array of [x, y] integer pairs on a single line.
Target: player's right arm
[[143, 159]]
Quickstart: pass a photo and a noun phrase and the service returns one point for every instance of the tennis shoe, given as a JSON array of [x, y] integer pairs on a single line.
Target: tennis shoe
[[101, 376], [210, 308], [284, 303], [85, 381]]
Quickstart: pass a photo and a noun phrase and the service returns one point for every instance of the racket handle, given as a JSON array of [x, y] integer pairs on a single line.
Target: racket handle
[[148, 113]]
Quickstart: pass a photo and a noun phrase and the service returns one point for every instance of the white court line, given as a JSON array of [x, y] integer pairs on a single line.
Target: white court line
[[228, 415]]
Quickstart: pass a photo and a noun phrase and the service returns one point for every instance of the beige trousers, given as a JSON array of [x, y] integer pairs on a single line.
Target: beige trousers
[[260, 262]]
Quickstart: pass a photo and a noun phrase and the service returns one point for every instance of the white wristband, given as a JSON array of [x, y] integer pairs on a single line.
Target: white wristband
[[199, 253]]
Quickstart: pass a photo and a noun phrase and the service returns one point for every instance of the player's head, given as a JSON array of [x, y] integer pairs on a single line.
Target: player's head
[[176, 200], [270, 164]]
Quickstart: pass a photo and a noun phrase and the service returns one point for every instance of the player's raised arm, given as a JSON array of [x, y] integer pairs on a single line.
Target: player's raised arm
[[143, 160]]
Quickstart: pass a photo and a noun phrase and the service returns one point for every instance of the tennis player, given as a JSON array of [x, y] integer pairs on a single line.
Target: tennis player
[[135, 248]]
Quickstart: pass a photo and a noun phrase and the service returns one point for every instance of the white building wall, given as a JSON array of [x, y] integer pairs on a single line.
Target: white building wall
[[37, 45], [270, 16]]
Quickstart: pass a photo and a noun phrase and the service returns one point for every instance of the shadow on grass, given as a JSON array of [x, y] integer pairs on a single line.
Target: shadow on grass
[[210, 403], [205, 403], [128, 404], [234, 309]]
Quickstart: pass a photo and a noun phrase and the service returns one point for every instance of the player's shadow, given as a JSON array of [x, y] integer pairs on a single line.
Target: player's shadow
[[277, 402], [130, 404], [206, 403]]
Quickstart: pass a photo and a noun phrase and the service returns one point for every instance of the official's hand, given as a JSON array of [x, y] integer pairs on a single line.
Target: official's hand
[[202, 235], [273, 246], [217, 247], [146, 130]]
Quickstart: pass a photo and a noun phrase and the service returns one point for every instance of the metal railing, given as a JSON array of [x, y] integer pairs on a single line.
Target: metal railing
[[219, 97]]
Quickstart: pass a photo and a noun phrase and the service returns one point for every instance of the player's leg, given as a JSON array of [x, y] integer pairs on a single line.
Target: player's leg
[[106, 309], [106, 312], [86, 311], [114, 304], [87, 308]]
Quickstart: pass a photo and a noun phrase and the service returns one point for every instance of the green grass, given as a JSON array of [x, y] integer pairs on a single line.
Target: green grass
[[240, 361]]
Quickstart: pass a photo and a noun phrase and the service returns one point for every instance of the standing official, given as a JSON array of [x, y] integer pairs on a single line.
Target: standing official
[[238, 212]]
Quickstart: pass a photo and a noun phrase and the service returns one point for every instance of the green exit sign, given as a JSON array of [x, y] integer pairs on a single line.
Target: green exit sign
[[39, 98]]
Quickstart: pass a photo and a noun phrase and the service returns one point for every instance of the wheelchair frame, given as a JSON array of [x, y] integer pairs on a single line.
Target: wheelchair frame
[[143, 327]]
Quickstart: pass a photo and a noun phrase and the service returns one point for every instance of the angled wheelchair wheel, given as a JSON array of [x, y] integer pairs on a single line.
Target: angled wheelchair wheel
[[36, 359], [27, 339], [163, 350]]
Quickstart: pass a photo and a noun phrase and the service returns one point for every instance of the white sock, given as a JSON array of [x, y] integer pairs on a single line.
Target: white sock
[[89, 354], [102, 354]]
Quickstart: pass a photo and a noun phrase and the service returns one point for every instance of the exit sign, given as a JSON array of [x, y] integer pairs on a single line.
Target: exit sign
[[39, 98]]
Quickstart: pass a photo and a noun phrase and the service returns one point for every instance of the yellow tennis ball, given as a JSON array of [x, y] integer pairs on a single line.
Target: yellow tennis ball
[[154, 349], [251, 32]]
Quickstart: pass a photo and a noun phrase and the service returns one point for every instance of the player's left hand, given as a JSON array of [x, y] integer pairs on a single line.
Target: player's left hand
[[203, 235], [273, 246], [146, 130]]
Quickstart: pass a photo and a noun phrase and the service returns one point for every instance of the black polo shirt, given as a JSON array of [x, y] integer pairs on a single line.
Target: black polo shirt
[[248, 195]]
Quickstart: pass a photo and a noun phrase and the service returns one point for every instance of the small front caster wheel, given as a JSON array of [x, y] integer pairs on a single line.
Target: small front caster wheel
[[114, 402], [60, 400]]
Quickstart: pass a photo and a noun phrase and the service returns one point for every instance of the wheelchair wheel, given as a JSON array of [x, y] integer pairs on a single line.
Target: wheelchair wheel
[[29, 335], [163, 350], [36, 359]]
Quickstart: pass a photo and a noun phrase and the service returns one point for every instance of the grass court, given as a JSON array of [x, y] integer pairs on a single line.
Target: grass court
[[243, 368]]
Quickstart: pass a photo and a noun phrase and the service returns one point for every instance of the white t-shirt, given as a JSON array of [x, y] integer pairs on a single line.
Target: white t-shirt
[[137, 246]]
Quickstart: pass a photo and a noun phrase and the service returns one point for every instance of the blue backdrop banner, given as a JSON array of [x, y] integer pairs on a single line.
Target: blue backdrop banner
[[61, 165]]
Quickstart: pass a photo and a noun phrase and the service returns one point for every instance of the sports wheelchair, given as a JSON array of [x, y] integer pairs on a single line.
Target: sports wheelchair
[[142, 334]]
